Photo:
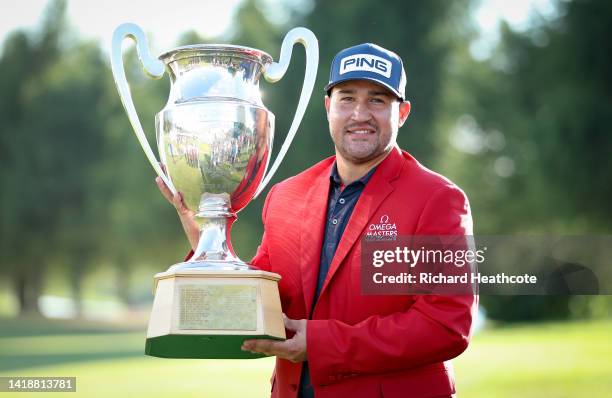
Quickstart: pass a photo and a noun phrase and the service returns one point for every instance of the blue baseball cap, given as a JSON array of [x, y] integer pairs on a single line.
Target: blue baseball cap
[[369, 62]]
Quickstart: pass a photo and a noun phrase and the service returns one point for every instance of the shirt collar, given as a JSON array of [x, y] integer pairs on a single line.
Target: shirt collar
[[337, 181]]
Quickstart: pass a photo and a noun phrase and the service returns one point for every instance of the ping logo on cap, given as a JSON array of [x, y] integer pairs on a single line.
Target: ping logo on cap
[[365, 62]]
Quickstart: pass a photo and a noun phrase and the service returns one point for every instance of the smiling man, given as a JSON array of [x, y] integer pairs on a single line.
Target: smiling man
[[342, 343]]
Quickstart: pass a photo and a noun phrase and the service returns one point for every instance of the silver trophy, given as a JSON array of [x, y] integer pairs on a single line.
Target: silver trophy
[[214, 139]]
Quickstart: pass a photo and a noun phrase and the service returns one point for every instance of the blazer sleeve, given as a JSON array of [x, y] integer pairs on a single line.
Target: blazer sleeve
[[434, 329]]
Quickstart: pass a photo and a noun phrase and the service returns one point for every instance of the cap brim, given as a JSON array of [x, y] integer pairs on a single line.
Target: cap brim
[[383, 84]]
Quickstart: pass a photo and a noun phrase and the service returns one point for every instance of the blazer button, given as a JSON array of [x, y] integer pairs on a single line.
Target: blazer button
[[293, 387]]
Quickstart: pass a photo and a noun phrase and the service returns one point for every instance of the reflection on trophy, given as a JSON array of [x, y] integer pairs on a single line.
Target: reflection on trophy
[[214, 139]]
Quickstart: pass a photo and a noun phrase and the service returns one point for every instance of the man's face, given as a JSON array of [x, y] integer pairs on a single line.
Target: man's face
[[363, 120]]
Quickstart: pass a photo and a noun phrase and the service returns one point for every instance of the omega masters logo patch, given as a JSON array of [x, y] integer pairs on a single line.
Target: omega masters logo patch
[[384, 230], [365, 62]]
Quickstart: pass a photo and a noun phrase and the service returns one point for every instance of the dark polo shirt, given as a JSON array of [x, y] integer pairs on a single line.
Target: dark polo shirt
[[340, 204]]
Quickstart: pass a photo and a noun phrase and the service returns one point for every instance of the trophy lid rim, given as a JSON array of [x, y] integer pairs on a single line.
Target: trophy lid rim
[[253, 53]]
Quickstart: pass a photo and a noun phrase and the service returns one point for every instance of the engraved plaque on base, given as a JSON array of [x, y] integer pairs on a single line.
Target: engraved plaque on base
[[218, 307]]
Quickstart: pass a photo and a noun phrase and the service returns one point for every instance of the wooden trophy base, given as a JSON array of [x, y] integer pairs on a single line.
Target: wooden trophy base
[[201, 313]]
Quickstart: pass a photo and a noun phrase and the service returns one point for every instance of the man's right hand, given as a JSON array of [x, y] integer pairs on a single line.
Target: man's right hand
[[187, 217]]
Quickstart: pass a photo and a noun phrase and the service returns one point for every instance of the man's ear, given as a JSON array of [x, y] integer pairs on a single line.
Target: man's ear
[[327, 102], [404, 111]]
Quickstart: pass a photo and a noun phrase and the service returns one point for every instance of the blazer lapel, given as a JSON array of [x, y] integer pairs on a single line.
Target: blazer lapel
[[374, 193], [312, 231]]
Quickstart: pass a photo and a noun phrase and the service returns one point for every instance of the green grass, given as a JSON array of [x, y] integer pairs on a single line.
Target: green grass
[[540, 360], [109, 361], [554, 360]]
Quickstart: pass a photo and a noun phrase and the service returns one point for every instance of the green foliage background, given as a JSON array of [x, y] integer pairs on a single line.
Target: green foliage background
[[525, 133]]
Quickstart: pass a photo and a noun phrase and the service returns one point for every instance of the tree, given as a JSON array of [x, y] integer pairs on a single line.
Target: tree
[[533, 136], [27, 223]]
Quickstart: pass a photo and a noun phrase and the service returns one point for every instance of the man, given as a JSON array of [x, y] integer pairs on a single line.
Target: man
[[343, 343]]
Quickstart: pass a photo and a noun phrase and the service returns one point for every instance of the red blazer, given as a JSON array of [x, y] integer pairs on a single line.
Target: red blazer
[[358, 345]]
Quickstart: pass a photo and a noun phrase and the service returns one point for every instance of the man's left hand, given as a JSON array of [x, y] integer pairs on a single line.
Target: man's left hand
[[293, 349]]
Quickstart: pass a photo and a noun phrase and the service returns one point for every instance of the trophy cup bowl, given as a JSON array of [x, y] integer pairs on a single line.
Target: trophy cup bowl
[[214, 139]]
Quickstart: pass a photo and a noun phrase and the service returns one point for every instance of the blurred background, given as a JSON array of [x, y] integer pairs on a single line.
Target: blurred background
[[511, 100]]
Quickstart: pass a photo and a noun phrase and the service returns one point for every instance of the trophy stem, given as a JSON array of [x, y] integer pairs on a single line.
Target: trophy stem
[[214, 250], [215, 243]]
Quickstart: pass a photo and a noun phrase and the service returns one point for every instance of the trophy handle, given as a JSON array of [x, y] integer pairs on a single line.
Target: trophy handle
[[154, 68], [276, 70]]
